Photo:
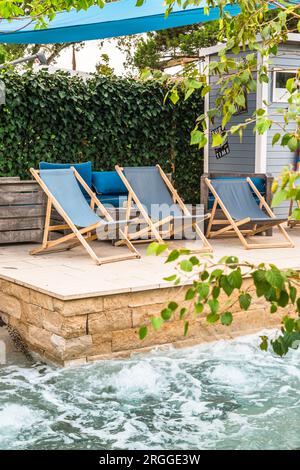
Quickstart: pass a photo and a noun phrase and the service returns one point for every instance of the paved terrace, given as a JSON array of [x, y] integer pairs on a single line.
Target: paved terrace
[[72, 274]]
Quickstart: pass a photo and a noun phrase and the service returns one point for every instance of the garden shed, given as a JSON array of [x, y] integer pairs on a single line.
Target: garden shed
[[255, 153]]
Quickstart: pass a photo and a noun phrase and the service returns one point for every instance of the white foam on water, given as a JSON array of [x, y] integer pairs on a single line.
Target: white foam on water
[[222, 395]]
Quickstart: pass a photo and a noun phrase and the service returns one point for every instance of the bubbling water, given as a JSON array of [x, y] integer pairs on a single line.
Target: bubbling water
[[224, 395]]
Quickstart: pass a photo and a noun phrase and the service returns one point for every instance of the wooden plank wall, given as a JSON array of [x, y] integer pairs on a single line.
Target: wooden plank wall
[[22, 211]]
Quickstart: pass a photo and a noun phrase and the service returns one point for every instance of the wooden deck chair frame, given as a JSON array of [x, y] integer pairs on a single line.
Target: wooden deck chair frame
[[77, 236], [235, 227], [153, 228]]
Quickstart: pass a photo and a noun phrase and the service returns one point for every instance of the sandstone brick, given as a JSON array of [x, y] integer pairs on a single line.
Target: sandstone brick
[[101, 344], [67, 327], [150, 297], [42, 300], [21, 327], [10, 305], [110, 320], [78, 306], [32, 314], [72, 348], [141, 315], [107, 357], [40, 338], [129, 339], [11, 288], [111, 302]]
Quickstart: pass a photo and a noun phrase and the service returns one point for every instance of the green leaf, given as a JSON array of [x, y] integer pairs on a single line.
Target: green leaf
[[186, 265], [173, 306], [293, 144], [217, 140], [199, 307], [276, 138], [170, 278], [283, 299], [235, 279], [203, 290], [293, 294], [290, 85], [157, 322], [245, 301], [190, 294], [224, 283], [143, 331], [288, 324], [186, 328], [212, 317], [166, 314], [226, 318], [279, 197], [213, 305], [173, 256], [182, 313], [156, 248], [273, 308], [264, 343], [198, 138], [275, 278]]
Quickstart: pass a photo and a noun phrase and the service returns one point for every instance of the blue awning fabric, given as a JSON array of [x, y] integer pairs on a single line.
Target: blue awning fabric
[[120, 18]]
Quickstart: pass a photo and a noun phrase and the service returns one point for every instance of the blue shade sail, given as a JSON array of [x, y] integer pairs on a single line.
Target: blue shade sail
[[120, 18]]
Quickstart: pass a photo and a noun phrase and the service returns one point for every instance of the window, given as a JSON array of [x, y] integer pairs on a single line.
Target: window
[[280, 77]]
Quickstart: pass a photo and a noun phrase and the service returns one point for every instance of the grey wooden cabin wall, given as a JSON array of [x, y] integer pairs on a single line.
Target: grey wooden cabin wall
[[278, 157], [242, 154]]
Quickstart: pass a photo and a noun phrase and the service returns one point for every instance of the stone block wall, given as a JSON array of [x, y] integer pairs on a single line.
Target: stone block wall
[[70, 332]]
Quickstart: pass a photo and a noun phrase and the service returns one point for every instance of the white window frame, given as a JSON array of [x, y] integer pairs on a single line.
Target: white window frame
[[280, 95]]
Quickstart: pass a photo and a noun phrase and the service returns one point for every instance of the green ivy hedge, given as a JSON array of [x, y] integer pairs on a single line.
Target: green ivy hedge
[[58, 118]]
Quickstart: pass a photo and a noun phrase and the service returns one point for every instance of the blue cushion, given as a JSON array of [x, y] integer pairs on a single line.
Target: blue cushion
[[84, 169], [108, 182], [115, 200]]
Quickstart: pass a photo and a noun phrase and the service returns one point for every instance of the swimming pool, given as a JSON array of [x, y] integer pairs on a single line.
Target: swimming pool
[[224, 395]]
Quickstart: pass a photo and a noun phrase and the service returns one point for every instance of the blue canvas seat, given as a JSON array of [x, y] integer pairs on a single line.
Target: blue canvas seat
[[243, 205], [62, 187], [159, 203]]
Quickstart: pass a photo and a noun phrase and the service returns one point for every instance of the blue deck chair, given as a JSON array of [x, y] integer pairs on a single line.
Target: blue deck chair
[[238, 201], [62, 187], [150, 187]]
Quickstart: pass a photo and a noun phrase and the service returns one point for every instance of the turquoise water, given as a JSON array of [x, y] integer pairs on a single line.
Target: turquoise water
[[225, 395]]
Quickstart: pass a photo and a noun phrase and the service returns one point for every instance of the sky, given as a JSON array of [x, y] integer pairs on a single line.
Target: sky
[[88, 57]]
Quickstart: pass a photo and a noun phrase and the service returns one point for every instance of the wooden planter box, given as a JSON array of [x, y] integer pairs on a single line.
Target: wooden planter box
[[22, 211]]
